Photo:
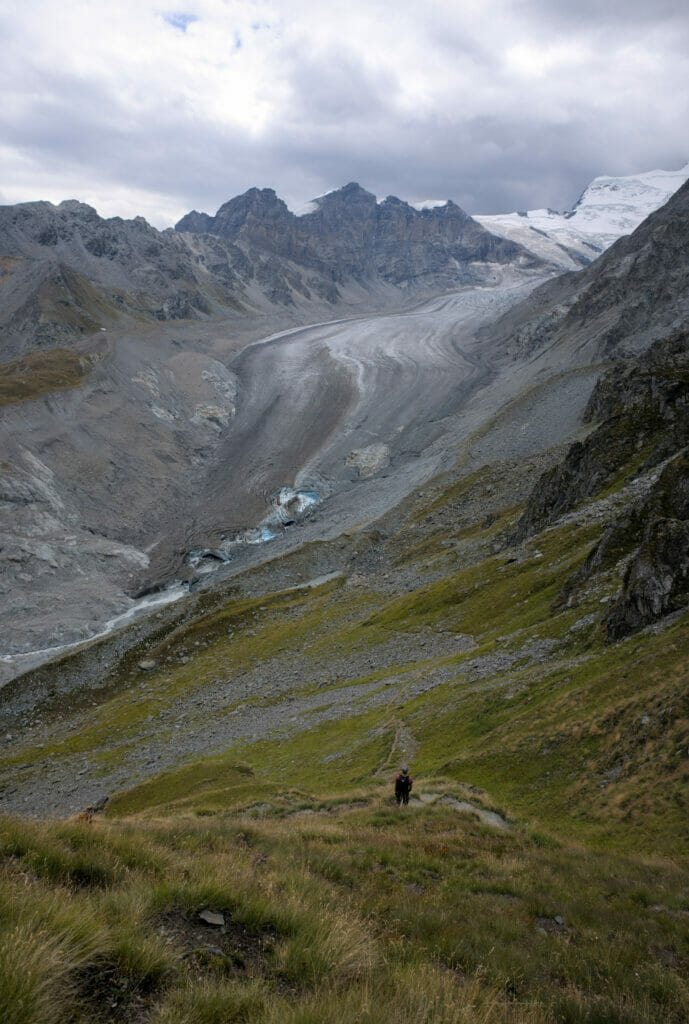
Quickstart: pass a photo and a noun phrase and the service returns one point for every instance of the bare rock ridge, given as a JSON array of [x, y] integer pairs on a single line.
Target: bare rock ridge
[[65, 272], [350, 234]]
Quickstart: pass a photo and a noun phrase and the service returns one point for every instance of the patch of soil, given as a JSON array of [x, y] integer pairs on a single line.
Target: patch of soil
[[229, 949], [667, 957], [552, 926], [113, 998]]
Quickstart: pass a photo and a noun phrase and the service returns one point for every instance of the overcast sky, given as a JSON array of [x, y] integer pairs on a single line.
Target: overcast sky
[[138, 107]]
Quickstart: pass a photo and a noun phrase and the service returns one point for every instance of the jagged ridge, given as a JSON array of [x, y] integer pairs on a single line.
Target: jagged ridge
[[350, 234], [65, 271]]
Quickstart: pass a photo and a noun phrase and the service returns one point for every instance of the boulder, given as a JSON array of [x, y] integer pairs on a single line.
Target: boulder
[[657, 578]]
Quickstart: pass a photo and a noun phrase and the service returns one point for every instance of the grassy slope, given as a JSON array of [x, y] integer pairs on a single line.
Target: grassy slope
[[340, 906], [41, 373]]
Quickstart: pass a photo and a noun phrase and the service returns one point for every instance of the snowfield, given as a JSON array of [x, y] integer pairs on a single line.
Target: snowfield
[[608, 208]]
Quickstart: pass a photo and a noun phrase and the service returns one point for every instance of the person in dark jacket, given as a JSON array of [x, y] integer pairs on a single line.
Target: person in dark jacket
[[403, 785]]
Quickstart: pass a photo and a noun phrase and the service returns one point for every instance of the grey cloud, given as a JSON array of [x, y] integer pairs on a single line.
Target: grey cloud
[[336, 85], [342, 125], [486, 164], [615, 22], [592, 13]]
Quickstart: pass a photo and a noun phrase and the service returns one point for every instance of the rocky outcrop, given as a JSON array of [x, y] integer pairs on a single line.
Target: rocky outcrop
[[644, 405], [656, 581], [649, 539]]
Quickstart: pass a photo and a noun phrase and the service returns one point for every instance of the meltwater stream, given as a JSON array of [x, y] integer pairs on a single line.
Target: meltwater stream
[[362, 410], [141, 607], [288, 505]]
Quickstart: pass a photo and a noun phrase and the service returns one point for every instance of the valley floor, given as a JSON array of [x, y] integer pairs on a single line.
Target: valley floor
[[181, 440], [249, 863]]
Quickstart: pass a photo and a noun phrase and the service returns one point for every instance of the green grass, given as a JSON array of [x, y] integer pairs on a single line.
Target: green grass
[[492, 596], [206, 782], [40, 373], [338, 906], [366, 914]]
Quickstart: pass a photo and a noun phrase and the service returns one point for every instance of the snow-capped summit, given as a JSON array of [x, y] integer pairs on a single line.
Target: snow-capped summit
[[616, 206], [607, 208], [429, 204]]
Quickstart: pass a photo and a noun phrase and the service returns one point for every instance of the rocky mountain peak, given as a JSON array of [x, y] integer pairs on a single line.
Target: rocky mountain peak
[[254, 200], [350, 195], [240, 215], [75, 206], [195, 222], [346, 233]]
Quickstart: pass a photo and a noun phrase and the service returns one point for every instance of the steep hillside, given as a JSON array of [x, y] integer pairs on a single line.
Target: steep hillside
[[468, 634], [253, 863], [492, 591]]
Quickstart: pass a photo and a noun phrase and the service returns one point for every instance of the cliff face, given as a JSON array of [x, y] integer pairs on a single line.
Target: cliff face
[[350, 234], [643, 405]]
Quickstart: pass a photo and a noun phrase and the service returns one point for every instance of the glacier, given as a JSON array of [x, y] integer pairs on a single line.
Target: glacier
[[607, 209]]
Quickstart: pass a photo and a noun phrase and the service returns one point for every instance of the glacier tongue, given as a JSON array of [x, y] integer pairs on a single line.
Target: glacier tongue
[[607, 208]]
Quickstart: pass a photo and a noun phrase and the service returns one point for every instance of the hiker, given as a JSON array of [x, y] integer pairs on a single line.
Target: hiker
[[403, 785]]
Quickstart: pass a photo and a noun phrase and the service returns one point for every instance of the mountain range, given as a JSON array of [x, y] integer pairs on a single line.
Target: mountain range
[[130, 433], [66, 272], [256, 556]]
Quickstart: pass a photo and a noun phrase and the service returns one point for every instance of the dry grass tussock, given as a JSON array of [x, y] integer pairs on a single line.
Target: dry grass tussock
[[44, 943], [371, 915]]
